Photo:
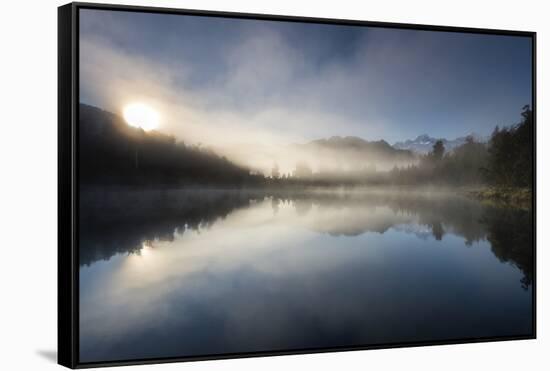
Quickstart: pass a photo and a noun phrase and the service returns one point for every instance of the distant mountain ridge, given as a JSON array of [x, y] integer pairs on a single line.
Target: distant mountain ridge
[[424, 143], [351, 153], [376, 150]]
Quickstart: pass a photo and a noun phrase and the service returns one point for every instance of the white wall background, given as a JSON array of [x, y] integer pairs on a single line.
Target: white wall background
[[28, 181]]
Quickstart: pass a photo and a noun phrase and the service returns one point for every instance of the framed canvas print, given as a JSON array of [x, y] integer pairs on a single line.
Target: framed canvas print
[[235, 185]]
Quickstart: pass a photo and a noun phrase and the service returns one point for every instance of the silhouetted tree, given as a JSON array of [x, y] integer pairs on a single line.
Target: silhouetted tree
[[438, 150], [511, 153]]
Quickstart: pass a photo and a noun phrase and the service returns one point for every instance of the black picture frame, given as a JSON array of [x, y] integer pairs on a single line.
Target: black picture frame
[[68, 196]]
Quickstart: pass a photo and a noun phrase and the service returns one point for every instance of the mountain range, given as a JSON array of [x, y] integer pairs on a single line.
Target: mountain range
[[351, 153], [424, 143], [375, 150]]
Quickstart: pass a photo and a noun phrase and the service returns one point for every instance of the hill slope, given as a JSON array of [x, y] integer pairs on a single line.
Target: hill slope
[[111, 152]]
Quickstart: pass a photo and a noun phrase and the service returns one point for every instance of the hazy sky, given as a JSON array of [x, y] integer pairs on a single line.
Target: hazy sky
[[230, 81]]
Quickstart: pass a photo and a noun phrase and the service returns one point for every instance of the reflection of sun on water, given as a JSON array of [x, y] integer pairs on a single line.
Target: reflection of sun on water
[[144, 259], [146, 249]]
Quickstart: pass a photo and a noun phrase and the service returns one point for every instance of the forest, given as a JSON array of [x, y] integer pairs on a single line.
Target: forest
[[114, 153], [506, 160]]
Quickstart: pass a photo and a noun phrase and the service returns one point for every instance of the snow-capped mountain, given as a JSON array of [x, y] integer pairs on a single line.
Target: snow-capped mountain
[[424, 143]]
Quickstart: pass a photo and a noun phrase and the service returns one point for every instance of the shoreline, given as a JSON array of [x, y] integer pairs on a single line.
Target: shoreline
[[518, 197]]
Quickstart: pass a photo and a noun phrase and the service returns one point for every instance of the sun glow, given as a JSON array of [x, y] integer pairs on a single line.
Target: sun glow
[[141, 115]]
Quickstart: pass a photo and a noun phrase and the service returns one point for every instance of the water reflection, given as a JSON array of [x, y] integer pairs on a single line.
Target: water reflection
[[114, 221], [120, 222], [191, 273]]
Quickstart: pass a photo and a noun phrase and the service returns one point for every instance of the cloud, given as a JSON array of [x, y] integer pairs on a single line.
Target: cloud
[[262, 99]]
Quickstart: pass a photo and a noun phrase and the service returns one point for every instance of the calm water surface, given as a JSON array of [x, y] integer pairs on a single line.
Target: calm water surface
[[173, 273]]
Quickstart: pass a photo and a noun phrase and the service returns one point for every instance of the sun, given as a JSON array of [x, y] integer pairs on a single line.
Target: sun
[[141, 116]]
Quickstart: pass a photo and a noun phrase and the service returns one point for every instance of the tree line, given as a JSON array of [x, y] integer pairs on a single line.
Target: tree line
[[113, 153], [506, 160]]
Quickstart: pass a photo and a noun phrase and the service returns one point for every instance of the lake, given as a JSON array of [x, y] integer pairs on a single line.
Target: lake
[[190, 273]]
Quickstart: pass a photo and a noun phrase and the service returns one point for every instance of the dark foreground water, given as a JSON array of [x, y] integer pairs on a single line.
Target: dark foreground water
[[173, 273]]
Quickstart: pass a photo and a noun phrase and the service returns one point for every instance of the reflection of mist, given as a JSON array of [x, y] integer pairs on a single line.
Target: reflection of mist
[[303, 207], [121, 221]]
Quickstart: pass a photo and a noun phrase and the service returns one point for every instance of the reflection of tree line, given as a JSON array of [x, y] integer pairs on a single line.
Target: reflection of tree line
[[511, 235], [120, 222], [441, 212], [114, 222], [509, 230]]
